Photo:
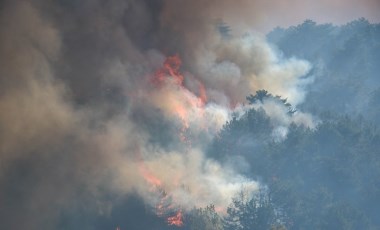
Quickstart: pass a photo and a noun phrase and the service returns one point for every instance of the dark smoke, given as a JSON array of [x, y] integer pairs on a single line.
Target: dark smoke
[[79, 113]]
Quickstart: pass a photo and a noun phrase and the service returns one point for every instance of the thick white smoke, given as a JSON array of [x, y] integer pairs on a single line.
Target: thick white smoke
[[82, 104]]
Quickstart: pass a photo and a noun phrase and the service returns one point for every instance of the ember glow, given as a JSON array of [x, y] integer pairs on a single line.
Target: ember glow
[[86, 89], [176, 220], [170, 177], [166, 204], [179, 101], [148, 176], [169, 69], [169, 75]]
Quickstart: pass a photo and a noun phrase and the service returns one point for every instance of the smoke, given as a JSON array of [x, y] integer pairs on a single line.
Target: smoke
[[250, 64], [94, 102], [264, 15], [281, 119]]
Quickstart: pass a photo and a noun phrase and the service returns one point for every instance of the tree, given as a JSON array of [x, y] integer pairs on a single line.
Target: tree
[[204, 219], [259, 96], [262, 94], [257, 212]]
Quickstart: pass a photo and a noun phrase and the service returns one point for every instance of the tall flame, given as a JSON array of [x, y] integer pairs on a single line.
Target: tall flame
[[181, 103], [176, 99], [185, 102]]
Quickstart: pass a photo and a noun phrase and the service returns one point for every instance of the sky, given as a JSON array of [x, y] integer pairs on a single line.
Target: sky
[[103, 99], [265, 15]]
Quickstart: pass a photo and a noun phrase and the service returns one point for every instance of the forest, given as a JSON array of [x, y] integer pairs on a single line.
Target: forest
[[326, 177], [322, 178], [189, 115]]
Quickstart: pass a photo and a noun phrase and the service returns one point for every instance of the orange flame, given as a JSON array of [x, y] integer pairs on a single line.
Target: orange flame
[[149, 177], [202, 93], [165, 203], [146, 173], [176, 220], [181, 103], [181, 108], [170, 68]]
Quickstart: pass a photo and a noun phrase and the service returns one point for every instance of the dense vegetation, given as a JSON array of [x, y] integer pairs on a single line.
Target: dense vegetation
[[322, 178], [325, 178], [346, 65]]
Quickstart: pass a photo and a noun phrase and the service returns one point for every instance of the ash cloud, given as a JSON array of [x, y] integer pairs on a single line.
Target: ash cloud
[[80, 118]]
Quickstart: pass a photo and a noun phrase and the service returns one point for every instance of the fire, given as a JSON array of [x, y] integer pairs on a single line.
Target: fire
[[170, 68], [165, 204], [202, 93], [173, 97], [182, 113], [149, 177], [176, 220], [176, 99], [146, 173]]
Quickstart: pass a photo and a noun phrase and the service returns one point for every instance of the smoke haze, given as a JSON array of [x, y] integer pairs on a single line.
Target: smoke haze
[[91, 103]]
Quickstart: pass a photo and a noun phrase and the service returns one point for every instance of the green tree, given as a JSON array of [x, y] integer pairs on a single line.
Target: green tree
[[262, 95], [246, 213], [204, 219]]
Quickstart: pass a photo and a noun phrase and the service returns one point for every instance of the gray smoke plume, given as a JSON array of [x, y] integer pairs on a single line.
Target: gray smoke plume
[[91, 106]]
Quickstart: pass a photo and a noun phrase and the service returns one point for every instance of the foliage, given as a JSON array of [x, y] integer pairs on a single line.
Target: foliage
[[262, 95], [346, 64], [203, 219], [326, 178], [257, 212]]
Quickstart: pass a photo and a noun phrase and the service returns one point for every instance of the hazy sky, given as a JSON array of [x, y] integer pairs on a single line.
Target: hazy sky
[[94, 105], [267, 14]]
